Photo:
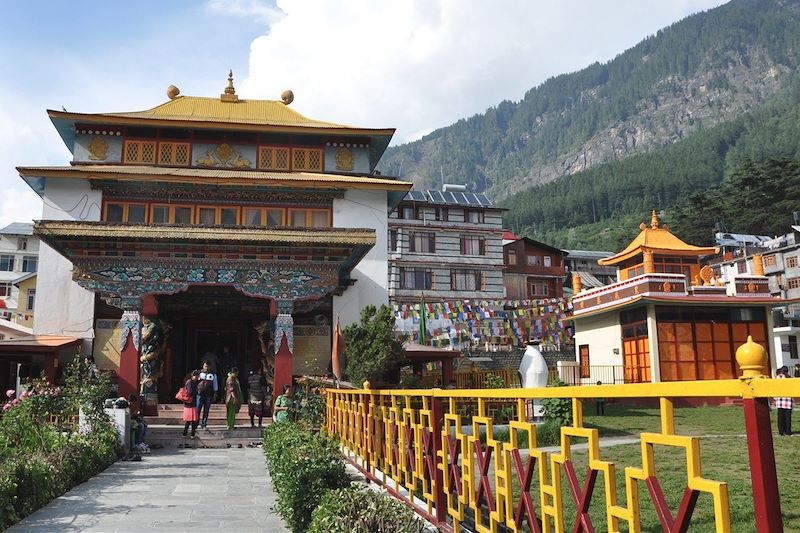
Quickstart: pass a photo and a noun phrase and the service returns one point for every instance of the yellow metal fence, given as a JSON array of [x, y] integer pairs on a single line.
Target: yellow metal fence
[[420, 442]]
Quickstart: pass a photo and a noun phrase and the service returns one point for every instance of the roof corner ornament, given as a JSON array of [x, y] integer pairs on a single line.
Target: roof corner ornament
[[654, 222], [173, 92], [287, 97], [229, 95]]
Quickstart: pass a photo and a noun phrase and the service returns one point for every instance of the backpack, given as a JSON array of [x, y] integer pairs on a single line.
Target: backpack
[[205, 387]]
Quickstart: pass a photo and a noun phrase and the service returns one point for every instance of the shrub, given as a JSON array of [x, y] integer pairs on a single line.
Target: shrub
[[360, 510], [557, 410], [311, 410], [303, 466], [548, 434], [371, 350]]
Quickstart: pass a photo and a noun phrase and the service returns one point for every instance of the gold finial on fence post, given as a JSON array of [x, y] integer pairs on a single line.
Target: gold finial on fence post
[[367, 384], [752, 359]]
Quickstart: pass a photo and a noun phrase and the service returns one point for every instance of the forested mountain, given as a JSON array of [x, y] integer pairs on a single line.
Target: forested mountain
[[664, 120]]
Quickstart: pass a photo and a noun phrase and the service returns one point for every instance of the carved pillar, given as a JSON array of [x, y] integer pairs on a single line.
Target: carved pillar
[[130, 337], [284, 343], [649, 265]]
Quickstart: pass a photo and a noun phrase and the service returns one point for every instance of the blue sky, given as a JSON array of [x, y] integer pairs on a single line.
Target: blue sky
[[416, 65]]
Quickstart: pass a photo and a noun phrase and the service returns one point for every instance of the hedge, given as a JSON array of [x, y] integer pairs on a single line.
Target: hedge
[[361, 510], [303, 466]]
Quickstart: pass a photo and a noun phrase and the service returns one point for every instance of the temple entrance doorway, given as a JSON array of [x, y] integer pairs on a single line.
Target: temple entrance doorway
[[210, 322]]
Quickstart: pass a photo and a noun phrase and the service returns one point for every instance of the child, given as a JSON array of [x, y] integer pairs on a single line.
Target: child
[[600, 403]]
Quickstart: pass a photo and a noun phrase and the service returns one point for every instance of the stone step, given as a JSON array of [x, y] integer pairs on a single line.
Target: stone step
[[216, 436]]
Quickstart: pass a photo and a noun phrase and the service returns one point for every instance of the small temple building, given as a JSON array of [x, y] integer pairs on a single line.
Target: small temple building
[[210, 226], [667, 318]]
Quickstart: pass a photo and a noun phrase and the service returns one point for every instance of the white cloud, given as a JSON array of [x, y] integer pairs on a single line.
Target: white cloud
[[260, 10], [422, 64]]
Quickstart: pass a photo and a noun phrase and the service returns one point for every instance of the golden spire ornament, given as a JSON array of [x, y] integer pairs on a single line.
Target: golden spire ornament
[[229, 95]]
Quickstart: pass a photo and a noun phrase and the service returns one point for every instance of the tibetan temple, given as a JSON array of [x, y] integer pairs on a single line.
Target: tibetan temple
[[667, 318], [210, 225]]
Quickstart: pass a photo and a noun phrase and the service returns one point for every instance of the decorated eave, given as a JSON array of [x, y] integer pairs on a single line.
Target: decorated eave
[[281, 181], [228, 113], [657, 239], [123, 262]]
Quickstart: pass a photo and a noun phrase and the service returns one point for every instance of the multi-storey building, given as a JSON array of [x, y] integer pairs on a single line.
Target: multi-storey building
[[225, 225], [781, 259], [445, 245], [19, 255], [533, 270], [585, 263]]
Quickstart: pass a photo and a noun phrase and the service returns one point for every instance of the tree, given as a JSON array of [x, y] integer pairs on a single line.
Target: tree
[[371, 350]]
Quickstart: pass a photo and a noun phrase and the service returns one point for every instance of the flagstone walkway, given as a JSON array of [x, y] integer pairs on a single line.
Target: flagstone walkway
[[193, 490]]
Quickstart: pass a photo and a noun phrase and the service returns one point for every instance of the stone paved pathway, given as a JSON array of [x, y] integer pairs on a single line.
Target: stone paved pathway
[[170, 490]]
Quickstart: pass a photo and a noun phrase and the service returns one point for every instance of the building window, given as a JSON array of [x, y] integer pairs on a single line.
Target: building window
[[406, 212], [791, 262], [476, 217], [534, 260], [140, 152], [512, 257], [273, 158], [6, 263], [31, 299], [309, 218], [29, 263], [392, 240], [548, 261], [22, 243], [5, 289], [416, 278], [473, 245], [741, 267], [466, 280], [537, 287], [306, 159], [583, 350], [792, 346], [793, 283], [422, 241], [769, 260], [172, 153]]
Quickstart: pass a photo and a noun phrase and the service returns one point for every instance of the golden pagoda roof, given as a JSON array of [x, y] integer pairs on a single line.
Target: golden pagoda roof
[[218, 176], [658, 239]]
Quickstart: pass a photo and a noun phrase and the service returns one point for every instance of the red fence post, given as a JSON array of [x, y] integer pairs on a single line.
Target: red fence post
[[437, 420], [753, 361], [764, 477]]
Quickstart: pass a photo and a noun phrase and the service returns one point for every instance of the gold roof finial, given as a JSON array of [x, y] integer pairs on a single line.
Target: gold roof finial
[[654, 222], [229, 95]]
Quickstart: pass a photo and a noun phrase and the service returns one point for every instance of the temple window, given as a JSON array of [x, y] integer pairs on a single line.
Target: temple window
[[791, 262], [140, 152], [306, 159], [769, 260], [791, 283], [309, 218], [273, 158], [173, 153], [171, 214]]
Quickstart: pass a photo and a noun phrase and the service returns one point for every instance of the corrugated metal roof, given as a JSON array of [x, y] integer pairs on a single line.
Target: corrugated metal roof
[[218, 175], [257, 112], [18, 228], [588, 254], [588, 280]]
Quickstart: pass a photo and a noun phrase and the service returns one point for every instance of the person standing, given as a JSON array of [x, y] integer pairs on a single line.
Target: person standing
[[256, 393], [283, 405], [207, 388], [233, 396], [190, 409], [784, 406]]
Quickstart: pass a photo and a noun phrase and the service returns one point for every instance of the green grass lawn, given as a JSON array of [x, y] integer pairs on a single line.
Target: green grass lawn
[[724, 458]]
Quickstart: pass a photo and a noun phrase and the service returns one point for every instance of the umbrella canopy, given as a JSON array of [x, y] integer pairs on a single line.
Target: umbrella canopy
[[337, 351]]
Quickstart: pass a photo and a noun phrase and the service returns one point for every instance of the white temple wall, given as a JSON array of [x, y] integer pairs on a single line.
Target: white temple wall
[[62, 306], [603, 334], [363, 209]]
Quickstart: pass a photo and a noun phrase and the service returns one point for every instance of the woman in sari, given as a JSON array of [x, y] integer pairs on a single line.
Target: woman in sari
[[233, 396]]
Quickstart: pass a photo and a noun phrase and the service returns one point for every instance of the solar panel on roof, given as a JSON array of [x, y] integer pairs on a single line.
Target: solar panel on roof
[[483, 199], [472, 198], [416, 196], [436, 197], [448, 197]]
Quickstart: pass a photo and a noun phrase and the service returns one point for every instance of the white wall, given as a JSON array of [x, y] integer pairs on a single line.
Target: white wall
[[63, 307], [363, 209], [603, 334]]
